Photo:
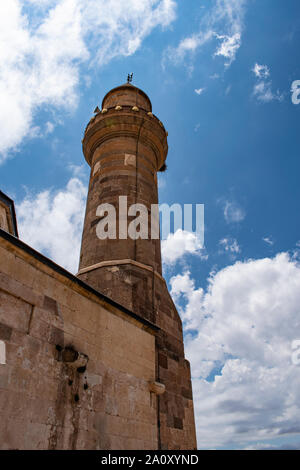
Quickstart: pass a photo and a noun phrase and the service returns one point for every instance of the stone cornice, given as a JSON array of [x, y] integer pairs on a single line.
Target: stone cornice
[[126, 123]]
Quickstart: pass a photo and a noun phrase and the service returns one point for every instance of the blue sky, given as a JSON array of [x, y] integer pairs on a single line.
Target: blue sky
[[219, 75]]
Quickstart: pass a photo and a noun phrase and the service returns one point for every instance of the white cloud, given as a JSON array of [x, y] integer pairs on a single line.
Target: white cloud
[[262, 90], [261, 71], [261, 446], [224, 22], [46, 44], [180, 243], [49, 127], [38, 132], [230, 245], [37, 66], [183, 285], [118, 27], [229, 47], [238, 339], [228, 90], [268, 240], [51, 222], [186, 46], [233, 212]]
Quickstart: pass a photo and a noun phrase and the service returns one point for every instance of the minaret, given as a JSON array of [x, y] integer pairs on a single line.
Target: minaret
[[125, 145]]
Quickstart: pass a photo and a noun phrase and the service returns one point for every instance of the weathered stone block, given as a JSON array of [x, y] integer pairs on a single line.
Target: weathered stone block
[[5, 332]]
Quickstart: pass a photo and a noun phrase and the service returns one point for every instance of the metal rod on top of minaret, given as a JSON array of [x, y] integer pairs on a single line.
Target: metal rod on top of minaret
[[129, 77]]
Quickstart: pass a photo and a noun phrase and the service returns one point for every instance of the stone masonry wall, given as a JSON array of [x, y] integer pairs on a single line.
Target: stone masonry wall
[[147, 294], [45, 403]]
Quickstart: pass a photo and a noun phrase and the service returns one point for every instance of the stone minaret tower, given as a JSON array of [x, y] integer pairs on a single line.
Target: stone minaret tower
[[125, 146]]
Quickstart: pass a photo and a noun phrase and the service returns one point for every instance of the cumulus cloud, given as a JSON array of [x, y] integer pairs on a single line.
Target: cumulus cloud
[[46, 43], [180, 243], [238, 338], [224, 23], [262, 90], [182, 285], [51, 222]]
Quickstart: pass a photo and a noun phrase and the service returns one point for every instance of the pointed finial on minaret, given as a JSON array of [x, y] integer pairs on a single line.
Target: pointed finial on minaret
[[129, 77]]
